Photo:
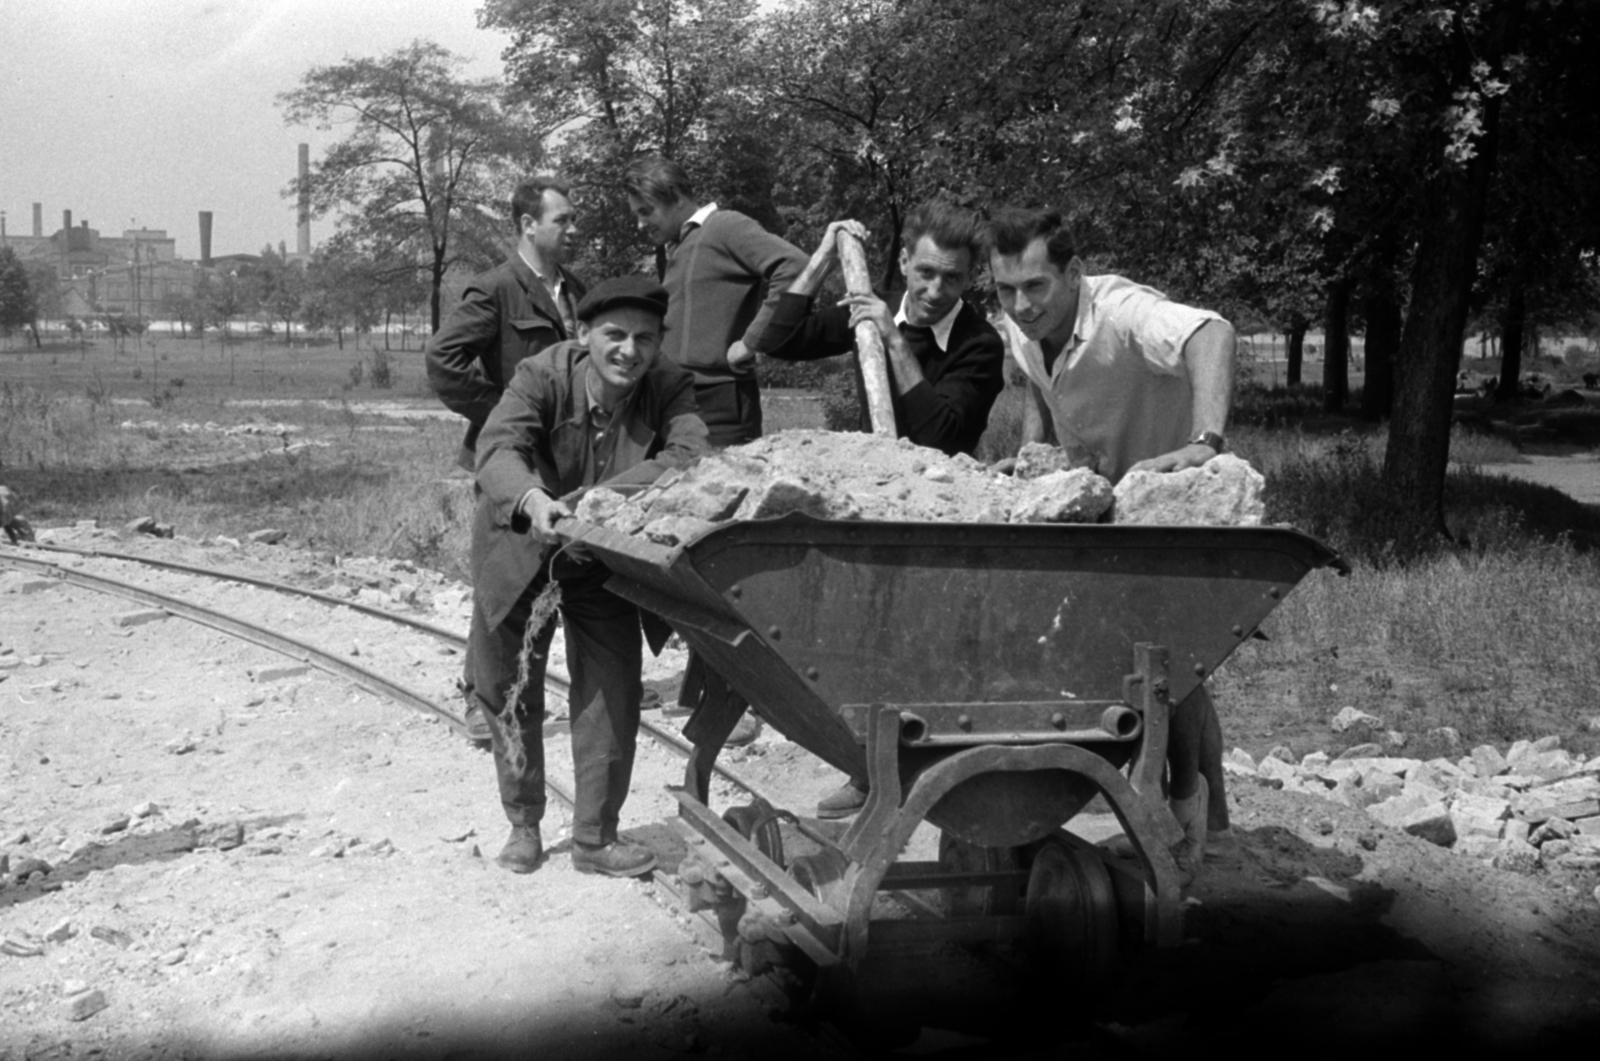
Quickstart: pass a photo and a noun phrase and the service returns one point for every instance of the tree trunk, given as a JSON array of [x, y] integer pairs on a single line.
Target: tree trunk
[[1513, 326], [1296, 352], [1446, 263], [1382, 311], [1336, 347]]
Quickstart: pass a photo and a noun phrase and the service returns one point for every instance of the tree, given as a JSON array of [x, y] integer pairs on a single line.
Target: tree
[[19, 307], [423, 169], [344, 289], [619, 78], [279, 289]]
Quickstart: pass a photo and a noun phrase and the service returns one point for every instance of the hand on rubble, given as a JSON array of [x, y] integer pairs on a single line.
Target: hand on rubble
[[1190, 456]]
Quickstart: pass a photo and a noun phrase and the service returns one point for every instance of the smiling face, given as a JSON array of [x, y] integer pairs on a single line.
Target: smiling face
[[935, 279], [1041, 297], [662, 221], [623, 343], [554, 233]]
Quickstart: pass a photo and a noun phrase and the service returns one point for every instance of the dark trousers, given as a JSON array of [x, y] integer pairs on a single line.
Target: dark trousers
[[604, 657], [731, 410]]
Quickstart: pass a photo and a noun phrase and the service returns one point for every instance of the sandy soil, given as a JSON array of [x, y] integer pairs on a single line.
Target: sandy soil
[[316, 879], [1577, 475]]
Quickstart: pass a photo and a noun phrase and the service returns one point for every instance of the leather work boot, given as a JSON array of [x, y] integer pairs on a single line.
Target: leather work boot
[[1190, 811], [616, 859], [477, 725], [844, 801], [523, 851]]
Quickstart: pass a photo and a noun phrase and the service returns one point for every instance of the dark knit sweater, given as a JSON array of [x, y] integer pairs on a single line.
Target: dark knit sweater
[[948, 410], [721, 283]]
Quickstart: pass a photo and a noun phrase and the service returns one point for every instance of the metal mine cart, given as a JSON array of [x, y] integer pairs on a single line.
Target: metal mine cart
[[988, 679]]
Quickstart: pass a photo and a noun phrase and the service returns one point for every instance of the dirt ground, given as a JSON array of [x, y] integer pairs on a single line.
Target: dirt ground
[[251, 864]]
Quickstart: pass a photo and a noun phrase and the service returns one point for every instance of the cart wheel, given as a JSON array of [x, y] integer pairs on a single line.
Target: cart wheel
[[759, 828], [1072, 920], [998, 900]]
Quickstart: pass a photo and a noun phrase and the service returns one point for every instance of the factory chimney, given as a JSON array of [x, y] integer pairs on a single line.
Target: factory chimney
[[66, 220], [303, 233], [205, 237], [38, 220]]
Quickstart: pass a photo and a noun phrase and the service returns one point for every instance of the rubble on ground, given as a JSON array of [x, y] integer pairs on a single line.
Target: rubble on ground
[[852, 476], [1535, 805]]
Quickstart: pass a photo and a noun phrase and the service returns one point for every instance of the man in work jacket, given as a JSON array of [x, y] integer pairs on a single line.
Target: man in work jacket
[[603, 408]]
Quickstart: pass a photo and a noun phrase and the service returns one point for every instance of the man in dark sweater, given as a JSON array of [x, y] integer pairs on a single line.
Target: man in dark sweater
[[723, 274], [946, 363], [506, 315]]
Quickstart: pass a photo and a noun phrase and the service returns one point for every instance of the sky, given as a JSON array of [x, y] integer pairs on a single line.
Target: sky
[[142, 113]]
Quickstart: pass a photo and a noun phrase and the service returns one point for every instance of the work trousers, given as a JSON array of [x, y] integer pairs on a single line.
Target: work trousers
[[731, 410], [604, 657]]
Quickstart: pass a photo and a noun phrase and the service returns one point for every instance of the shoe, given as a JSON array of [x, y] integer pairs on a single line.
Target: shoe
[[1190, 811], [747, 729], [523, 851], [477, 725], [843, 801], [615, 859]]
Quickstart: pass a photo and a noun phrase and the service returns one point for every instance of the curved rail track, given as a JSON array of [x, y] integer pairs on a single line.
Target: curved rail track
[[16, 557]]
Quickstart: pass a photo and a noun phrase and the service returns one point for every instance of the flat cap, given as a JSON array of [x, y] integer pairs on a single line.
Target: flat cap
[[623, 291]]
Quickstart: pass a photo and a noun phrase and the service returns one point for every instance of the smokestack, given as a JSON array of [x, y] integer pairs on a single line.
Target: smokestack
[[205, 237], [38, 220], [303, 234], [66, 220]]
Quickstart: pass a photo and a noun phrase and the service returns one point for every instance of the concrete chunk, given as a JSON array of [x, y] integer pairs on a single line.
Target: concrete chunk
[[30, 586], [1075, 496], [268, 536], [1517, 856], [1533, 808], [1429, 821], [140, 617], [1351, 716], [1225, 491], [1489, 761], [278, 672], [85, 1005]]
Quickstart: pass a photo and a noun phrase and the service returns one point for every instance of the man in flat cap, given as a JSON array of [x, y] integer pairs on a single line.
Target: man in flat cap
[[601, 408]]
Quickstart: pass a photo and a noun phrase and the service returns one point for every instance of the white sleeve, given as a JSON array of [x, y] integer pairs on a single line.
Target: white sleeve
[[1157, 327]]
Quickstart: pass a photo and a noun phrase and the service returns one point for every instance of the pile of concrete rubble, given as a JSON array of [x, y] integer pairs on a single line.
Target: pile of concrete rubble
[[852, 476], [1534, 805]]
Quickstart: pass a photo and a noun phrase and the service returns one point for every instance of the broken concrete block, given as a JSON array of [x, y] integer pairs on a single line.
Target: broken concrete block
[[675, 530], [1476, 846], [1489, 761], [1225, 491], [1448, 736], [1552, 829], [1361, 751], [599, 505], [1238, 761], [1574, 799], [1350, 716], [1588, 826], [61, 931], [30, 586], [1548, 765], [1517, 856], [140, 617], [1274, 769], [1381, 785], [1429, 821], [1075, 496], [1517, 750], [116, 824], [277, 672], [1516, 830], [781, 495], [85, 1005], [1038, 459], [268, 536], [141, 525]]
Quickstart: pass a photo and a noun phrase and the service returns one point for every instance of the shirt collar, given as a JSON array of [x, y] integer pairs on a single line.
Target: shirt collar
[[941, 328], [550, 282], [696, 219]]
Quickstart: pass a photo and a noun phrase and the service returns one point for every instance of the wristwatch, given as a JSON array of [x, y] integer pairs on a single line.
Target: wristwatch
[[1210, 438]]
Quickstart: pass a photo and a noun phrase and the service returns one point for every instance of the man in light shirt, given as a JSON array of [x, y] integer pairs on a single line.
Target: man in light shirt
[[1131, 381]]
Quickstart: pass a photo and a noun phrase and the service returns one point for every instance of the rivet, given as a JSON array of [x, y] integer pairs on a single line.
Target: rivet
[[1058, 720], [774, 633], [1274, 592], [811, 672], [964, 721], [1200, 669], [758, 890], [736, 591], [1238, 631]]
